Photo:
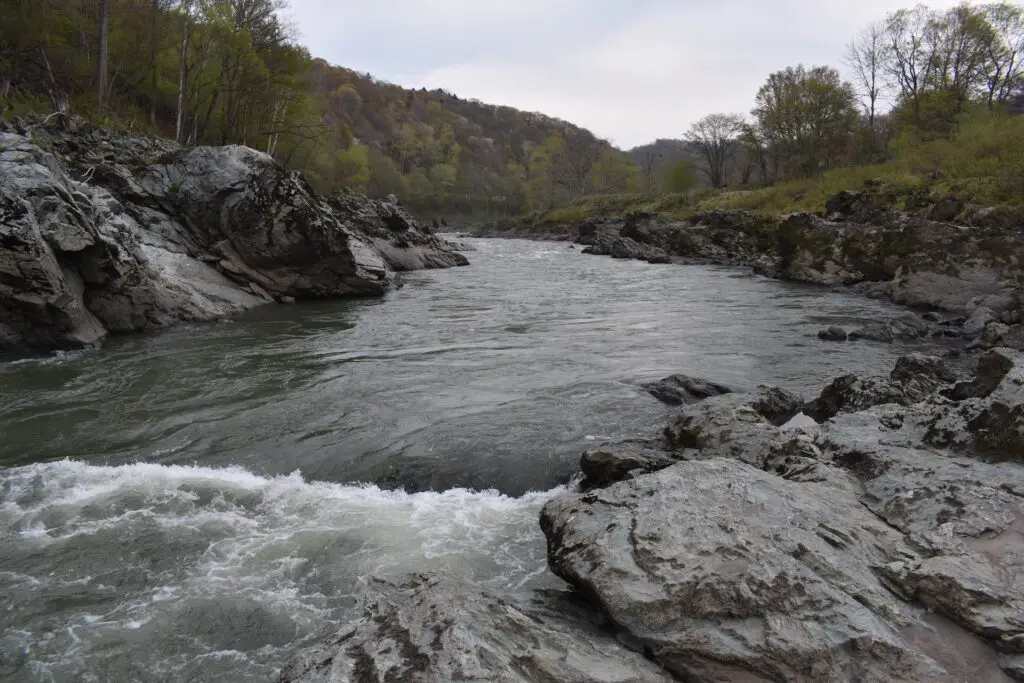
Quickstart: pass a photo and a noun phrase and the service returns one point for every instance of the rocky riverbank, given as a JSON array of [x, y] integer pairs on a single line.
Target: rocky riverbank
[[967, 280], [881, 541], [108, 232]]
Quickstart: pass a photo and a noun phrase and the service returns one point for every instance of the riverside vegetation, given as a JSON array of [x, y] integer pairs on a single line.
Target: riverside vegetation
[[877, 538]]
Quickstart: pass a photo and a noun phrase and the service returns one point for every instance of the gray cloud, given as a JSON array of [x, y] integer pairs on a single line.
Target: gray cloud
[[629, 71]]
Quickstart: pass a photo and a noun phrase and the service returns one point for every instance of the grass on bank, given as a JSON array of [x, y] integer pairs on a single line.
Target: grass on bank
[[982, 165]]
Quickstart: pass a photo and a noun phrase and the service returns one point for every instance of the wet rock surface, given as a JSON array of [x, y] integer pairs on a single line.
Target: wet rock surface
[[106, 232], [441, 628], [627, 248], [677, 390], [614, 462]]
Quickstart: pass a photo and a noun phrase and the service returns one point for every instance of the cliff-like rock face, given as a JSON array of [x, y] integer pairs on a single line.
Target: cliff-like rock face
[[104, 233]]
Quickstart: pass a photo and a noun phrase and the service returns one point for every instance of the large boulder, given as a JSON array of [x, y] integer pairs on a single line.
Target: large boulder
[[441, 628], [105, 233], [739, 426], [650, 228], [723, 572], [729, 236], [593, 229]]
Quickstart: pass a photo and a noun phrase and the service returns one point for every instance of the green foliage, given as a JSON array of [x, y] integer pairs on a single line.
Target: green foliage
[[808, 116], [982, 164], [596, 205], [245, 82], [681, 177]]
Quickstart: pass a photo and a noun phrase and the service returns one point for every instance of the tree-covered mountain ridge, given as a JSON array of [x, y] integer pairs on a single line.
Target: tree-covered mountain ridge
[[231, 71]]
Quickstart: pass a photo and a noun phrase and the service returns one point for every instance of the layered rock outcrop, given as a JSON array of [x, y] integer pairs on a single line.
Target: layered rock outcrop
[[101, 233]]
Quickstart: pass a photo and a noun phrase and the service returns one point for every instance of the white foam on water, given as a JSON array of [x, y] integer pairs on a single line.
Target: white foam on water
[[54, 358], [145, 568]]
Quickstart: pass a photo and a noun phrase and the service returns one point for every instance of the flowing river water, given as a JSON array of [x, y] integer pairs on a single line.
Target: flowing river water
[[201, 503]]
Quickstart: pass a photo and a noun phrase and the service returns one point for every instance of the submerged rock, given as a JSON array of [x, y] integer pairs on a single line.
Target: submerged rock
[[148, 235], [441, 628], [677, 390], [833, 333]]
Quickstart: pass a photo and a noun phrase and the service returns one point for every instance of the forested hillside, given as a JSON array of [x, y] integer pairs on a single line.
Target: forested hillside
[[231, 71], [931, 104]]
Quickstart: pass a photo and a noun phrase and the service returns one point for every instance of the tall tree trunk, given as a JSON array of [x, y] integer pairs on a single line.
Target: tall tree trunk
[[101, 72], [152, 81], [182, 69]]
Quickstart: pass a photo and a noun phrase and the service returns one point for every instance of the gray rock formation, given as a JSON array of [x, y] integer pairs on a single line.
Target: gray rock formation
[[626, 248], [886, 544], [914, 377], [440, 628], [726, 573], [919, 259], [114, 233]]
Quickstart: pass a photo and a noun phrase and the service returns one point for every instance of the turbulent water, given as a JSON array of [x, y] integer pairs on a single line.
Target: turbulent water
[[201, 503]]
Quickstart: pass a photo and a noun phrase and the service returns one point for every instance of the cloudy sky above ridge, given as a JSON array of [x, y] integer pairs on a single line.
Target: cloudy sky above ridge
[[629, 70]]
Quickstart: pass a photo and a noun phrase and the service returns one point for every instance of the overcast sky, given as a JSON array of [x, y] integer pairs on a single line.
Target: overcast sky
[[629, 70]]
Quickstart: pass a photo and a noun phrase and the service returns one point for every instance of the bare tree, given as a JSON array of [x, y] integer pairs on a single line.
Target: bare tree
[[910, 62], [649, 167], [714, 138], [183, 68], [1004, 54], [958, 40], [866, 56], [579, 152]]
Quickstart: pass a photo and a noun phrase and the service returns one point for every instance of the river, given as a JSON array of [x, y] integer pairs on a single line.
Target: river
[[201, 503]]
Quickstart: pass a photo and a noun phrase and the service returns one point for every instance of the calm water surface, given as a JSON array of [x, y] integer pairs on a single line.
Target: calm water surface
[[201, 503]]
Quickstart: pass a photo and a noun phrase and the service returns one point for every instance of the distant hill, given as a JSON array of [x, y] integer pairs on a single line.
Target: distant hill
[[226, 71], [432, 144]]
